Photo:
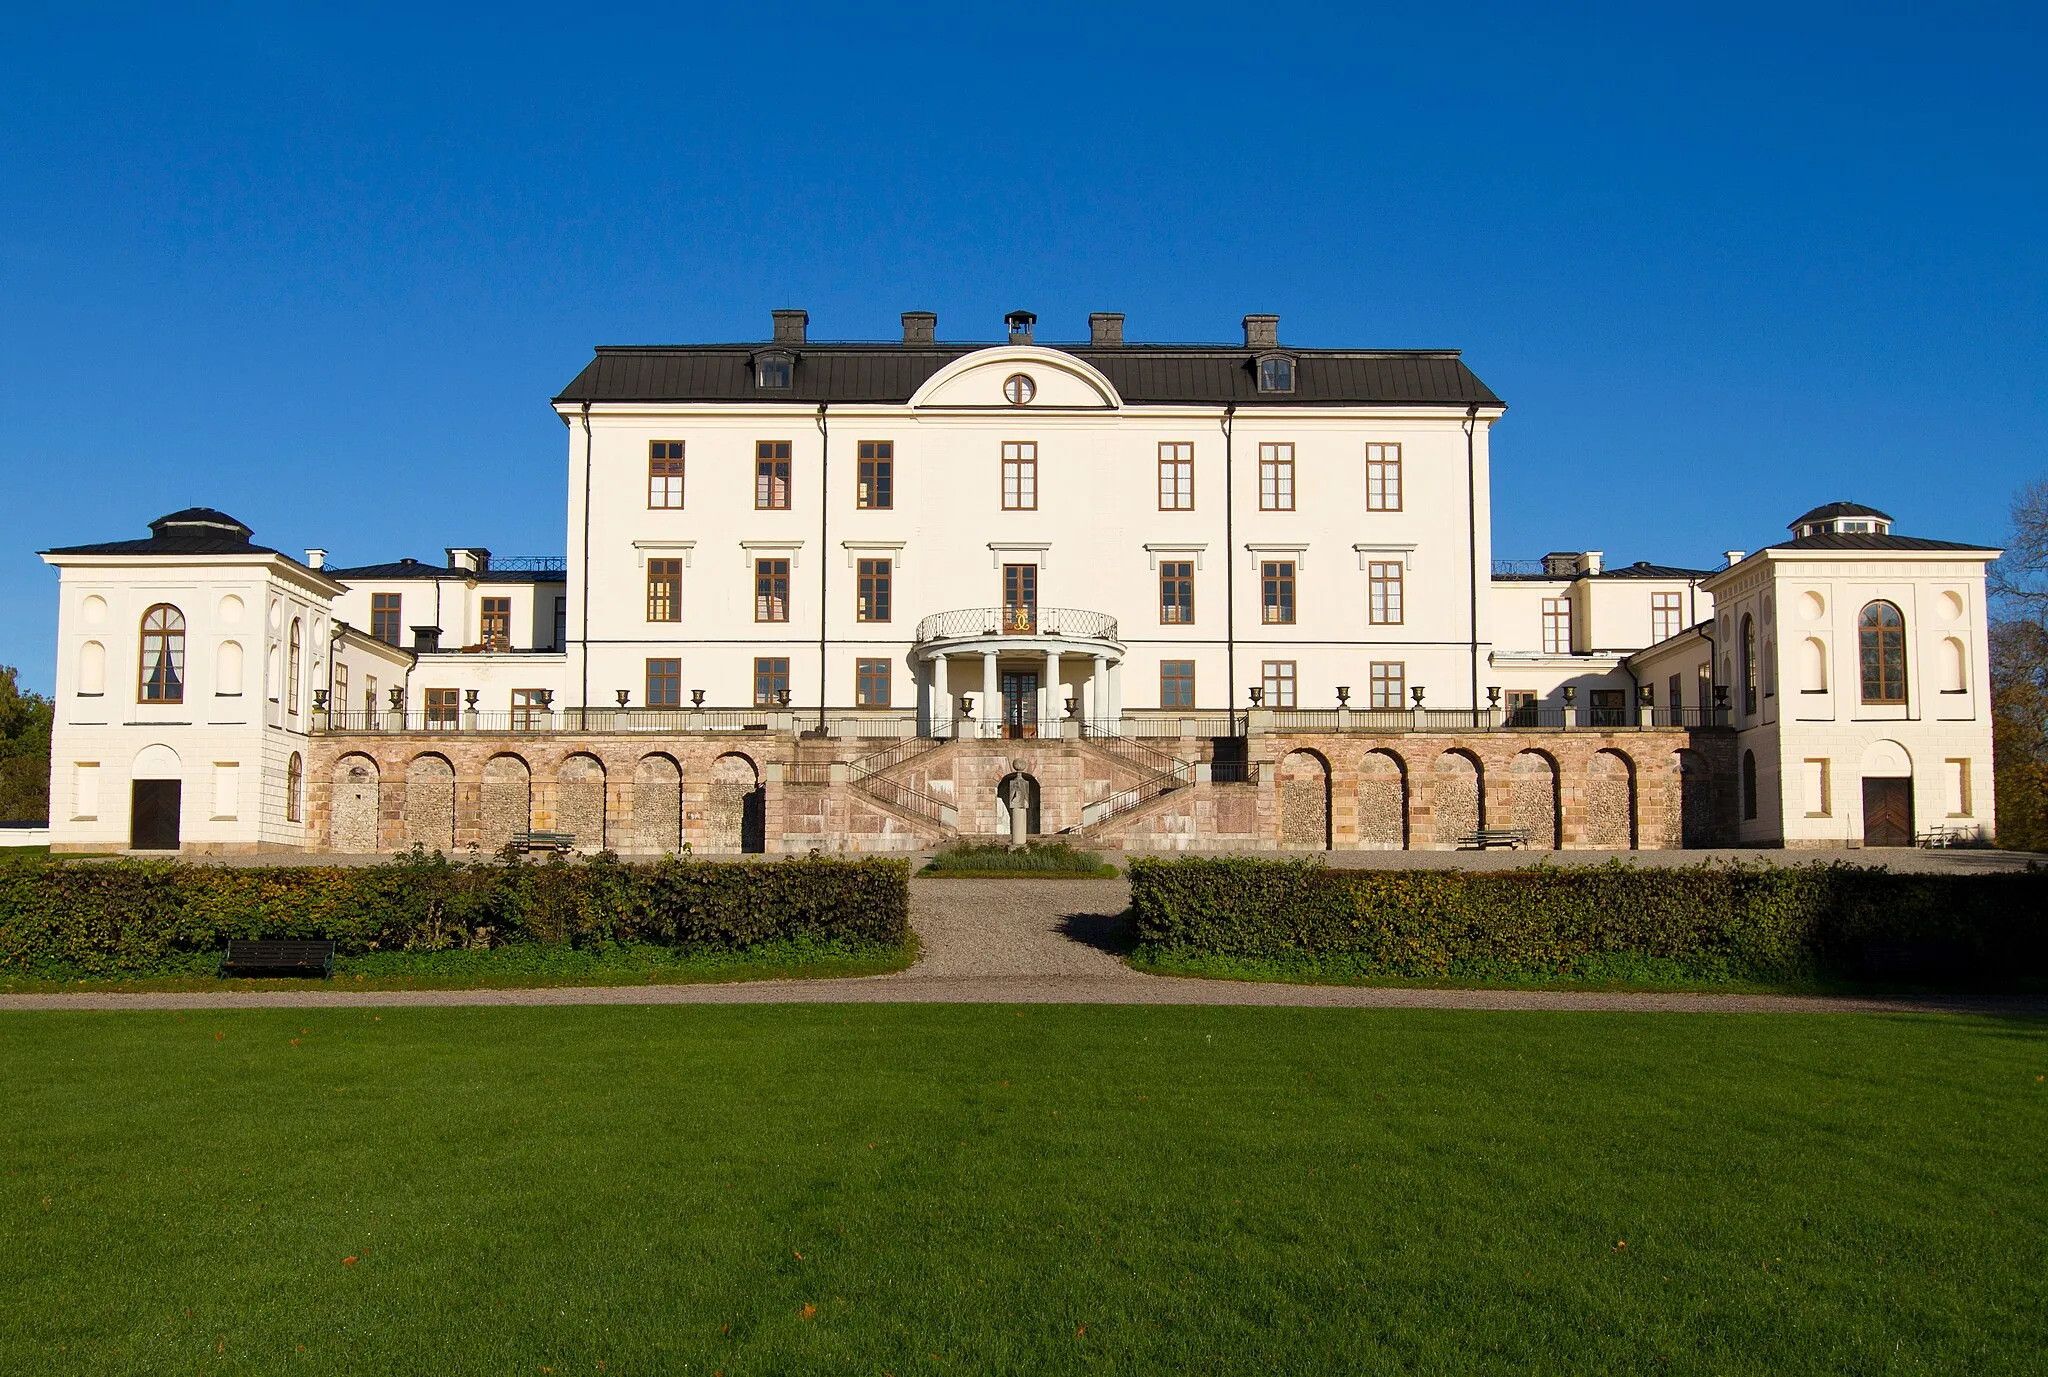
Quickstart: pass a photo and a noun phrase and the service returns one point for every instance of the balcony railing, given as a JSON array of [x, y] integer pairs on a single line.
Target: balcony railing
[[969, 622]]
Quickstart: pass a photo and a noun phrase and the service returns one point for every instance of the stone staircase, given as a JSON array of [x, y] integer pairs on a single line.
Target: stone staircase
[[871, 775]]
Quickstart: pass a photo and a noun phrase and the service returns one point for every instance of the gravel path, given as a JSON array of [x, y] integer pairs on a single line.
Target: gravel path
[[1025, 942]]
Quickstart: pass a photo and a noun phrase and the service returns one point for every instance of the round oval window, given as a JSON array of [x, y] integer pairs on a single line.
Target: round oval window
[[1019, 388]]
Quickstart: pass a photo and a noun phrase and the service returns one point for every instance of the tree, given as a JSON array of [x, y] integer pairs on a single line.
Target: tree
[[2019, 674], [25, 721]]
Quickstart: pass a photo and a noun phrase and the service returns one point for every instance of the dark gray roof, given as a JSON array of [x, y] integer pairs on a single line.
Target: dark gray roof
[[415, 569], [193, 531], [1643, 569], [1863, 540], [1835, 509], [1141, 373]]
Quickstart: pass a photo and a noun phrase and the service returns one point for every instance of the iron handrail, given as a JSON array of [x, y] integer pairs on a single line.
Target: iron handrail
[[967, 623]]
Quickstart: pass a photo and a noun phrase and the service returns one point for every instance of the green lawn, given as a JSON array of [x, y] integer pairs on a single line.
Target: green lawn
[[982, 1189]]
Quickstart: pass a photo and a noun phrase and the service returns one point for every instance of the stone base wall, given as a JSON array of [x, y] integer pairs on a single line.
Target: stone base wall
[[781, 793]]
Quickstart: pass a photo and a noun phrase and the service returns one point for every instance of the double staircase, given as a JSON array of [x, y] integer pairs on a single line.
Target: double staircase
[[1163, 774], [870, 774]]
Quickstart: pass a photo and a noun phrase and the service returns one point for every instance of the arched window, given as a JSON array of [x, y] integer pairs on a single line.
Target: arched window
[[1748, 785], [163, 655], [294, 787], [1955, 672], [1881, 651], [270, 673], [227, 670], [92, 668], [1748, 650], [1816, 665], [1770, 669], [291, 670]]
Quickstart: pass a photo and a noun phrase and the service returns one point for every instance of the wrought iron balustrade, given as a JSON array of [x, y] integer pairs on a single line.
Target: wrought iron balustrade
[[967, 623]]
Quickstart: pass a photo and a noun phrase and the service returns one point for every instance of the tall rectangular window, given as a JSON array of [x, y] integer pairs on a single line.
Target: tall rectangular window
[[871, 601], [1814, 784], [1176, 683], [384, 617], [877, 488], [1176, 476], [771, 475], [871, 683], [771, 590], [1276, 478], [1557, 626], [444, 708], [1176, 592], [530, 711], [665, 473], [1383, 478], [1276, 680], [1675, 689], [771, 680], [561, 623], [1020, 598], [1020, 476], [664, 683], [1955, 775], [1383, 589], [664, 590], [340, 698], [1667, 616], [1388, 683], [497, 624], [1276, 591]]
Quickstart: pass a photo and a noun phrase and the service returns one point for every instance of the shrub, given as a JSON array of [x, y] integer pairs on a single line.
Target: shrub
[[131, 917], [1713, 922], [1058, 858]]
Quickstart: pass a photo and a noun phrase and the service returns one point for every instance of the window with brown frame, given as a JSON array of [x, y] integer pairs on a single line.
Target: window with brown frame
[[1276, 683], [1176, 592], [1020, 599], [444, 709], [1020, 476], [1383, 478], [385, 617], [1557, 626], [1276, 591], [1387, 683], [664, 590], [771, 475], [664, 683], [664, 473], [530, 711], [872, 596], [162, 675], [293, 650], [295, 788], [877, 487], [1881, 652], [1667, 616], [1276, 478], [771, 590], [771, 680], [1176, 476], [1176, 683], [497, 624], [871, 683], [1383, 589]]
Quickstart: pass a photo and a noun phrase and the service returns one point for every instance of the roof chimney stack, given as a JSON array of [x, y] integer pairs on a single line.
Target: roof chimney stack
[[790, 326], [1106, 328], [1734, 557], [1261, 332], [920, 327], [316, 559]]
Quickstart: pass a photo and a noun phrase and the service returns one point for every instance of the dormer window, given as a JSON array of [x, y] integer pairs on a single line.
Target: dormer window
[[1276, 373], [771, 372]]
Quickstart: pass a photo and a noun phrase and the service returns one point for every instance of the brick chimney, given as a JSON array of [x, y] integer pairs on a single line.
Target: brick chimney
[[920, 327], [1106, 328], [1261, 332], [790, 326]]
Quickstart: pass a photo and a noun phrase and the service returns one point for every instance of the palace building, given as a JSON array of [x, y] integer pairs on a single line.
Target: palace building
[[824, 595]]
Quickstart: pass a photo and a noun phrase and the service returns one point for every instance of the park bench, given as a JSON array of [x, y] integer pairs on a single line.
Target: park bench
[[1939, 835], [1480, 838], [278, 957], [543, 841]]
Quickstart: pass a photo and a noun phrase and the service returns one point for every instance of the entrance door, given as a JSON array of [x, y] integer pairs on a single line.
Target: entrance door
[[1888, 812], [153, 815], [1020, 705], [1020, 598]]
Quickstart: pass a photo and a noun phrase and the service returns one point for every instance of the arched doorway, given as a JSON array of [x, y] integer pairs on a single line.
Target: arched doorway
[[1456, 809], [1610, 802], [1382, 802], [1305, 800], [1887, 795], [355, 804], [157, 800], [1003, 803], [737, 809], [657, 805], [579, 801], [430, 803], [1532, 779]]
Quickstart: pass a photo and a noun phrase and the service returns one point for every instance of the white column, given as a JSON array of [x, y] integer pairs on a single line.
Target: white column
[[1049, 696], [1116, 689], [940, 673], [1098, 690], [991, 696]]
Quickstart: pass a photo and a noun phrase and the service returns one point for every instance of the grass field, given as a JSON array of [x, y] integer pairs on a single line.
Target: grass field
[[983, 1189]]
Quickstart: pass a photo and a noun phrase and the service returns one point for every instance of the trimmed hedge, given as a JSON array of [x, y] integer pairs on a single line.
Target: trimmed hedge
[[1708, 922], [127, 918]]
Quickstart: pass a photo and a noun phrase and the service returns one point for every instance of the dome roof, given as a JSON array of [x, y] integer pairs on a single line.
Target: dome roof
[[1834, 510], [200, 521]]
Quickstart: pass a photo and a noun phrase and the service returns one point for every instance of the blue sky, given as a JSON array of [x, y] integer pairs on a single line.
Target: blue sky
[[325, 271]]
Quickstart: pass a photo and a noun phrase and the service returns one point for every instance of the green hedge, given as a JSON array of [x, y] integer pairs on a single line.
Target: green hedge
[[120, 918], [1708, 922]]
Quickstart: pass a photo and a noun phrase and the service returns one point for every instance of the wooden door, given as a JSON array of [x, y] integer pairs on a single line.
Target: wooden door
[[1887, 812], [153, 815], [1020, 598], [1020, 705]]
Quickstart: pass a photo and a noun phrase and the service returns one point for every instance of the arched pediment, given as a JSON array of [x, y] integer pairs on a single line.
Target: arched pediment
[[1060, 382]]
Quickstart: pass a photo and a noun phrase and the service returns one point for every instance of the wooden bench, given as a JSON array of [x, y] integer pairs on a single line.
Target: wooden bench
[[543, 841], [278, 958], [1479, 839]]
